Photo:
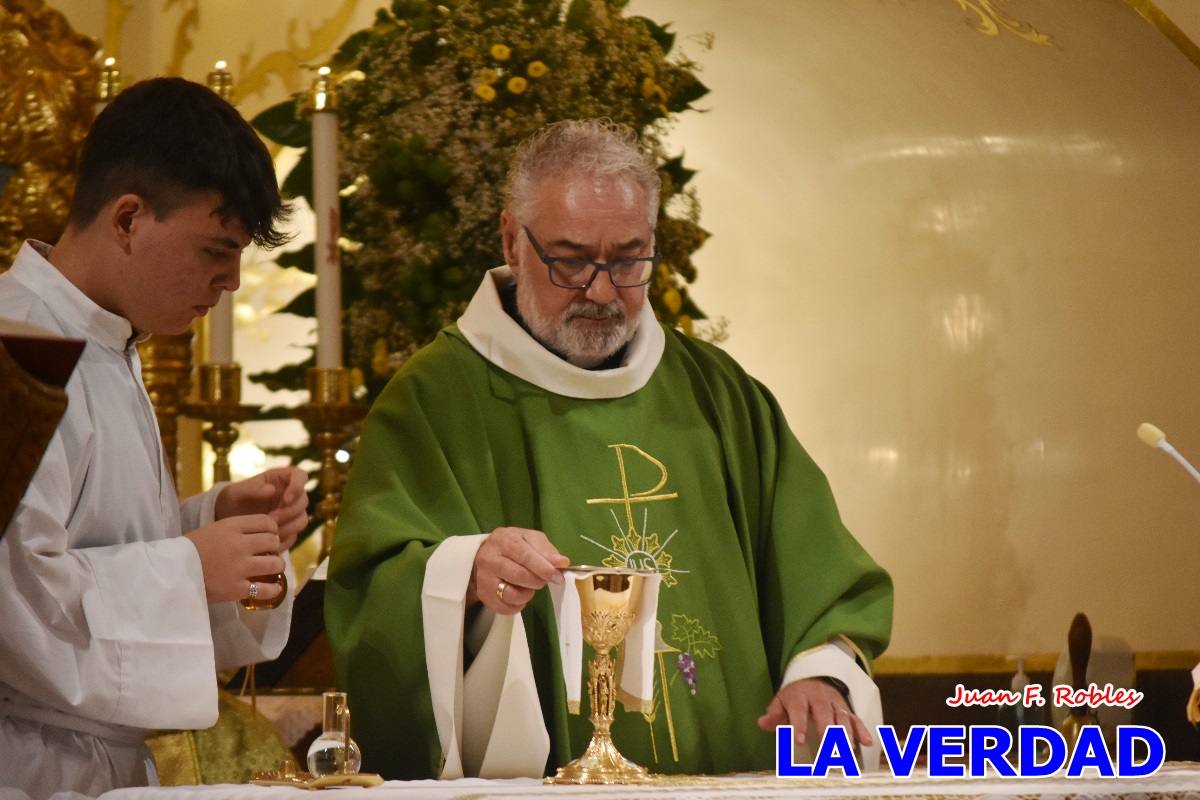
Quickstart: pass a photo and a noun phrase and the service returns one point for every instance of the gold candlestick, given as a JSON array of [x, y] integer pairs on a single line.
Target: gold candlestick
[[220, 80], [608, 603], [167, 374], [221, 407], [109, 84], [331, 418]]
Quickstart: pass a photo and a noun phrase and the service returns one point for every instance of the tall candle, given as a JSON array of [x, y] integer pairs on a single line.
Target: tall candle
[[220, 321], [325, 206], [220, 331]]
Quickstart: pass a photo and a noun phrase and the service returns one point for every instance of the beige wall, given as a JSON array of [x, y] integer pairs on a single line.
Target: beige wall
[[965, 264]]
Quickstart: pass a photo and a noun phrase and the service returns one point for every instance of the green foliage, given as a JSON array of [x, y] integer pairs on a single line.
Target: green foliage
[[280, 124], [302, 259], [433, 99]]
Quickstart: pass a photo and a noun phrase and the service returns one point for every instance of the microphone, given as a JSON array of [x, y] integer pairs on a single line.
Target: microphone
[[1156, 438]]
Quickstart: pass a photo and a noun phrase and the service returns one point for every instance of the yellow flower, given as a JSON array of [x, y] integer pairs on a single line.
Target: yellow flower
[[651, 90], [536, 69], [685, 324], [672, 300], [517, 85], [485, 92], [379, 358], [489, 75], [501, 52]]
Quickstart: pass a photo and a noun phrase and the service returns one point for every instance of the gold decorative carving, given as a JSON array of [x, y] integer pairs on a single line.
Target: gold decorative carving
[[188, 24], [991, 21], [167, 373], [606, 629], [50, 77], [286, 64]]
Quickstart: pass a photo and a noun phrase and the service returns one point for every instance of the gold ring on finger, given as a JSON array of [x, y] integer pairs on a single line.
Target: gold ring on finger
[[500, 587]]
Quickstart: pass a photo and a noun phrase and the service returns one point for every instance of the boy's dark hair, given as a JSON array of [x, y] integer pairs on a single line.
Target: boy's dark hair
[[165, 139]]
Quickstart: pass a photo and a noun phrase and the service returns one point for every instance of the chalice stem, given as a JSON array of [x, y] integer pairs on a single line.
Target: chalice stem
[[601, 694]]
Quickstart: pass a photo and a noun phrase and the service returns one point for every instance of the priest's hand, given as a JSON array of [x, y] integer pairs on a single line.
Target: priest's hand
[[278, 493], [510, 565], [233, 551], [816, 700]]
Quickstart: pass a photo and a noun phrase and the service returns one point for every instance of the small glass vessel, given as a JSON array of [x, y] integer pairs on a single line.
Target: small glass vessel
[[334, 752], [256, 604]]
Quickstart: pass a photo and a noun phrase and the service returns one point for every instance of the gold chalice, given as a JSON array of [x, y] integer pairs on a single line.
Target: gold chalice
[[608, 604]]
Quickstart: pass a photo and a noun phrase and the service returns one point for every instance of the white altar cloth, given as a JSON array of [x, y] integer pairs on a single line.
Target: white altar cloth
[[1174, 780]]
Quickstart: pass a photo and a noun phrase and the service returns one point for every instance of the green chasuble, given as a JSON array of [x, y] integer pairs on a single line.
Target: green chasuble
[[695, 474]]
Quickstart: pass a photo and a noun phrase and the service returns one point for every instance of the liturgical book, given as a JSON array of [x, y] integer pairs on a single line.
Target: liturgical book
[[35, 365]]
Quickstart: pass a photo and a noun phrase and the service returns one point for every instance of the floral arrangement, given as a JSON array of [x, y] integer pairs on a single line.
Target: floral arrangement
[[433, 98]]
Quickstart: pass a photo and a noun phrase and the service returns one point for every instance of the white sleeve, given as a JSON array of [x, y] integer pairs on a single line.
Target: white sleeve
[[117, 633], [489, 720], [837, 660]]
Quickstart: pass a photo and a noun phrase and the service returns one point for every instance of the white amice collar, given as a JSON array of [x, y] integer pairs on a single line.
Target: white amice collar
[[502, 341]]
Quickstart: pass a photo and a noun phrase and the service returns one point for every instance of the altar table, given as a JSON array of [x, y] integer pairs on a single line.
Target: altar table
[[1174, 780]]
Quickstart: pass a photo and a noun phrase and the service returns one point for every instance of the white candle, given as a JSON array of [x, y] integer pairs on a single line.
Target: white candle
[[220, 321], [220, 331], [325, 206]]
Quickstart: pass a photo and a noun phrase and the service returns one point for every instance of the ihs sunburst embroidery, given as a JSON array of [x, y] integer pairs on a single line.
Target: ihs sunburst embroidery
[[640, 550]]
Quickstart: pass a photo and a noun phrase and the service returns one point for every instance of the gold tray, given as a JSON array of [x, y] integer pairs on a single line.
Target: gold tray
[[302, 780]]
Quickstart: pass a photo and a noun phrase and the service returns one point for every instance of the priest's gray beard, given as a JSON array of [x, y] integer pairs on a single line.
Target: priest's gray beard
[[585, 344]]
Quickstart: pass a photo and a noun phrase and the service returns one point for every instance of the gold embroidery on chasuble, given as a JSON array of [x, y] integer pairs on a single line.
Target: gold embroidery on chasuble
[[629, 546], [641, 548]]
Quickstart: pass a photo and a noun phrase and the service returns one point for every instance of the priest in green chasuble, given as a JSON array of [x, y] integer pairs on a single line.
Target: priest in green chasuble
[[557, 422]]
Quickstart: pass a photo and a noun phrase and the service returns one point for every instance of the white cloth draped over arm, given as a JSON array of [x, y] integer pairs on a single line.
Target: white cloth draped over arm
[[489, 720], [837, 659]]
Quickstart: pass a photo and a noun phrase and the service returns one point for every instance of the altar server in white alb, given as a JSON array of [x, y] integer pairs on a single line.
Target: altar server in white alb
[[118, 602]]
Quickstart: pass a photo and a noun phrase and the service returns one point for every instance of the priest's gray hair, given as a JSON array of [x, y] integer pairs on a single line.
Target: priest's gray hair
[[591, 147]]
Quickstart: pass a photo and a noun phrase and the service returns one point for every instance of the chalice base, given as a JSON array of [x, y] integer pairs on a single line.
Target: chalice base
[[601, 763]]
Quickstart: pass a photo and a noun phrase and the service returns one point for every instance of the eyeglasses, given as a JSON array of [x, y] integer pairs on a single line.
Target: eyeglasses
[[579, 273]]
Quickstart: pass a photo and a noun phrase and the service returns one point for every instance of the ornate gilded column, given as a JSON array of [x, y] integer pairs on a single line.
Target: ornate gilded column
[[49, 76]]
